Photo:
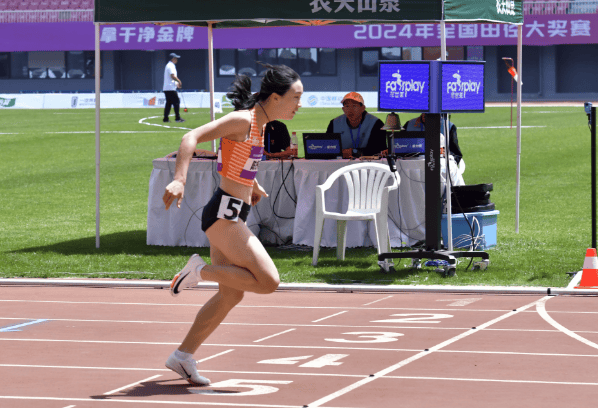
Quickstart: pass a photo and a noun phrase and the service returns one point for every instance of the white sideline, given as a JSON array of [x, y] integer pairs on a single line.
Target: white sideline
[[310, 287], [541, 309]]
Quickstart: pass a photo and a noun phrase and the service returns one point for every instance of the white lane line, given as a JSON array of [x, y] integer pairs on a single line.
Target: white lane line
[[214, 356], [107, 131], [68, 302], [342, 326], [397, 377], [71, 406], [497, 127], [316, 374], [136, 401], [381, 373], [328, 317], [541, 309], [293, 347], [132, 385], [379, 300], [274, 335]]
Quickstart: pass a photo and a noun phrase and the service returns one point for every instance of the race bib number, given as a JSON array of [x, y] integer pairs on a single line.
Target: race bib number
[[230, 207]]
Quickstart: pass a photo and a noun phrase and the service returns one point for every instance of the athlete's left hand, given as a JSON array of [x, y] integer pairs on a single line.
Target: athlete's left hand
[[257, 194]]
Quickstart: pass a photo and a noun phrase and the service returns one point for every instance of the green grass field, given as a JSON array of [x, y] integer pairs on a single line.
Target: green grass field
[[47, 198]]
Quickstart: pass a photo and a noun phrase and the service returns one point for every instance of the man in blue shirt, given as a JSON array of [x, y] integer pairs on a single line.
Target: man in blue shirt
[[361, 132]]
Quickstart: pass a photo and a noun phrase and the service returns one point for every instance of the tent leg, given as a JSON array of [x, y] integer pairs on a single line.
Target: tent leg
[[519, 83], [211, 75], [97, 91]]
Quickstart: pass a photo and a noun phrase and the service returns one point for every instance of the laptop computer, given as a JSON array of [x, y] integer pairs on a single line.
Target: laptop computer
[[409, 143], [322, 146]]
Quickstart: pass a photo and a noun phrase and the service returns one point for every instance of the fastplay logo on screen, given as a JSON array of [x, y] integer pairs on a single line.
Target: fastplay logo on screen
[[462, 87], [323, 147], [404, 86]]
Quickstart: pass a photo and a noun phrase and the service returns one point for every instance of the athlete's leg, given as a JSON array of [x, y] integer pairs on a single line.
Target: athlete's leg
[[213, 312], [253, 270]]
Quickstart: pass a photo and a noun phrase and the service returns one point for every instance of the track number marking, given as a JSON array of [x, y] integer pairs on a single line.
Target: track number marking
[[376, 337], [459, 302], [253, 385], [415, 318], [325, 360]]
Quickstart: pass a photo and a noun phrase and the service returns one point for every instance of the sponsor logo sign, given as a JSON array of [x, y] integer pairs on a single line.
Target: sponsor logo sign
[[7, 102]]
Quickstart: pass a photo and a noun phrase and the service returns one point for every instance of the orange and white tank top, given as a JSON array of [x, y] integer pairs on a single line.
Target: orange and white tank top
[[239, 161]]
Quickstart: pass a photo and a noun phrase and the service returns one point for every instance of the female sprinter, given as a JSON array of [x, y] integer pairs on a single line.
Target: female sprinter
[[239, 261]]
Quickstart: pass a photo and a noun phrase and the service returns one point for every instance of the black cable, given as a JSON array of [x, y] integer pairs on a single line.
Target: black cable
[[450, 180]]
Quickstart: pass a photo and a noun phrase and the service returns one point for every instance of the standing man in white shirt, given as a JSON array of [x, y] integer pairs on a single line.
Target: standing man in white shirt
[[171, 83]]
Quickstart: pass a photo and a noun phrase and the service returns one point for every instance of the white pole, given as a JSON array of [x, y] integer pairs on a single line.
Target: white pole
[[211, 74], [519, 83], [97, 86], [445, 130]]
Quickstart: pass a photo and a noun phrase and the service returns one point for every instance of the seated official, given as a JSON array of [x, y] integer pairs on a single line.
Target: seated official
[[276, 137], [419, 124], [277, 141], [360, 131]]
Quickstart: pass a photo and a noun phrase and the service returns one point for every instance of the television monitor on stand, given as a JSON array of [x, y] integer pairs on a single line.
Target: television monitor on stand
[[404, 86]]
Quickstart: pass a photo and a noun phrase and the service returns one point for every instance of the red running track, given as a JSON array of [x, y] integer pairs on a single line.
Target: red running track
[[89, 347]]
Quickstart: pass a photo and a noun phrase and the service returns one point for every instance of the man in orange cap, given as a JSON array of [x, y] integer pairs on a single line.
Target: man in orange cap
[[361, 132]]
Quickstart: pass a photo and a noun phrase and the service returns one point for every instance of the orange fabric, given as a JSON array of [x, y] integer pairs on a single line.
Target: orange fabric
[[239, 161]]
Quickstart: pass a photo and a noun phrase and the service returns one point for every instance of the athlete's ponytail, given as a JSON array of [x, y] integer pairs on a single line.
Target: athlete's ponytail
[[240, 95], [277, 79]]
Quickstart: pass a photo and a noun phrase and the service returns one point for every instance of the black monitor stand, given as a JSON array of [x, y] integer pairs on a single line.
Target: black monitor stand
[[433, 211]]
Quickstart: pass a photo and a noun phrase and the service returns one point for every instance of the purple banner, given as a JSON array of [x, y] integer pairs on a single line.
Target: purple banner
[[79, 36]]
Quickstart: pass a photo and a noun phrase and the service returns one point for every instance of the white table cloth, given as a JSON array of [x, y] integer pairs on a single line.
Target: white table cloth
[[288, 214], [271, 219]]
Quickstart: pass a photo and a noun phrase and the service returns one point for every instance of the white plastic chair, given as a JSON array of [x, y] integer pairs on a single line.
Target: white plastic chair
[[368, 200]]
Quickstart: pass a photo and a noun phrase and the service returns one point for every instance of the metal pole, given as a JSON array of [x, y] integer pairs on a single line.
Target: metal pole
[[444, 124], [211, 74], [520, 75], [97, 90], [593, 149]]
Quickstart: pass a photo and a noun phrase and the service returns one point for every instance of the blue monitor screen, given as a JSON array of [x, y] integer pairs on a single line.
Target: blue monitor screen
[[462, 87], [404, 86], [323, 146]]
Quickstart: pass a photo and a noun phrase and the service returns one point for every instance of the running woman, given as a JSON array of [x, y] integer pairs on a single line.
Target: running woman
[[239, 260]]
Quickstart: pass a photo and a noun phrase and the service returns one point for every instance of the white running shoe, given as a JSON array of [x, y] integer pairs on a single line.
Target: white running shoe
[[186, 369], [189, 276]]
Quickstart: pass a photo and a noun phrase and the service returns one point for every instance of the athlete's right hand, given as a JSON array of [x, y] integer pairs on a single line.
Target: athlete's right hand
[[174, 191]]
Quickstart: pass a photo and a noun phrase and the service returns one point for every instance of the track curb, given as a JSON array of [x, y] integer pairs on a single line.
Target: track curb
[[308, 287]]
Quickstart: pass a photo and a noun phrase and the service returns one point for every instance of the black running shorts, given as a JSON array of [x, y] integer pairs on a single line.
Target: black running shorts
[[223, 206]]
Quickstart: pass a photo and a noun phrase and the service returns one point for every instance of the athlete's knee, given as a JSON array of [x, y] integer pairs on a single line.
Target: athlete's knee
[[231, 297], [269, 283]]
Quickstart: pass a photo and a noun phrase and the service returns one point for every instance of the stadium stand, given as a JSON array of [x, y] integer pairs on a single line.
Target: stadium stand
[[52, 11], [45, 11]]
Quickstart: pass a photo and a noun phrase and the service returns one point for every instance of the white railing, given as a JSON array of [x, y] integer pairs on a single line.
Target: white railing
[[45, 16], [543, 7]]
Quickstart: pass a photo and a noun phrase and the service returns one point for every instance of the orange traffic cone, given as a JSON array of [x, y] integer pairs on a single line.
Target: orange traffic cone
[[589, 274]]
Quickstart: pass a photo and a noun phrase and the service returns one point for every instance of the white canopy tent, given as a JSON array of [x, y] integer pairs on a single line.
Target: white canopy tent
[[238, 13]]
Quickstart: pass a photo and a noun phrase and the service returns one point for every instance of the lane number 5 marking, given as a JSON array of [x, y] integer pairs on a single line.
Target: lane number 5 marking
[[236, 383]]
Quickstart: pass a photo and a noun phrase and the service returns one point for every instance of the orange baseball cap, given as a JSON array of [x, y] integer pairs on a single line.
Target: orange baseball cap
[[354, 96]]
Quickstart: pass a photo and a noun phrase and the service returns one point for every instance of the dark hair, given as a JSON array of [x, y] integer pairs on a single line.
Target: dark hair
[[277, 79]]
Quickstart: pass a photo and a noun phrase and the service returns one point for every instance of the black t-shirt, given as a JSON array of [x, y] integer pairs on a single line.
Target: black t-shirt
[[376, 142], [276, 137]]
